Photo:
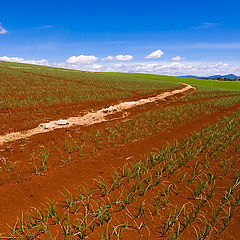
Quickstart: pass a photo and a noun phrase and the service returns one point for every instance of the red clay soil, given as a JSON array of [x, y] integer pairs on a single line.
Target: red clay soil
[[153, 229], [156, 221], [21, 151], [21, 119], [18, 197]]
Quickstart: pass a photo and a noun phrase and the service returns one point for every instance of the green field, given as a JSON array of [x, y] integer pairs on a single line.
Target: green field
[[201, 84]]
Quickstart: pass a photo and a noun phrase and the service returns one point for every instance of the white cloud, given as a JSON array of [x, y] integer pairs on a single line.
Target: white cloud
[[118, 58], [108, 58], [22, 60], [155, 54], [96, 66], [2, 29], [118, 65], [124, 57], [82, 59], [11, 59], [177, 59]]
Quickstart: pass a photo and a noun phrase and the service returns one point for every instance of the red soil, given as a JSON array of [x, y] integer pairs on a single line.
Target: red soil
[[18, 197]]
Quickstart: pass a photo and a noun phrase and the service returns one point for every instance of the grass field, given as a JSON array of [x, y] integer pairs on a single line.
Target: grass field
[[39, 85], [47, 86], [201, 84], [168, 169]]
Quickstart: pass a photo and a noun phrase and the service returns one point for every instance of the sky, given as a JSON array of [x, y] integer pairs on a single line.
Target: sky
[[162, 37]]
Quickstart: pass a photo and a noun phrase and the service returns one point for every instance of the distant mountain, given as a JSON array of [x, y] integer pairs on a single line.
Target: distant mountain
[[191, 76], [230, 76]]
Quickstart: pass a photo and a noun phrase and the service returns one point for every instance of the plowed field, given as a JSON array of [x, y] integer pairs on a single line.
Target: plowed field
[[164, 169]]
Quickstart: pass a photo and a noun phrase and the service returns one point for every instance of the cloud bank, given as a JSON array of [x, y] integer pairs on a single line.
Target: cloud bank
[[22, 60], [177, 59], [175, 68]]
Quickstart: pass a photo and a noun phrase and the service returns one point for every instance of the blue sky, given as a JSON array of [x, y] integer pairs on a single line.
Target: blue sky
[[194, 37]]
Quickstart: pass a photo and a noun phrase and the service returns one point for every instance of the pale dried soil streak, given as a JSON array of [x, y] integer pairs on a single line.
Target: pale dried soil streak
[[91, 117]]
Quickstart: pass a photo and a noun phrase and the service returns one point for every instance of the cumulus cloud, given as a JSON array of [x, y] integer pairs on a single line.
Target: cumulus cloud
[[22, 60], [124, 57], [2, 29], [108, 58], [156, 54], [177, 59], [82, 59], [118, 58]]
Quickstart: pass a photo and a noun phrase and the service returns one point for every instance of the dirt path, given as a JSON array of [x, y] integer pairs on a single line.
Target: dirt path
[[91, 117]]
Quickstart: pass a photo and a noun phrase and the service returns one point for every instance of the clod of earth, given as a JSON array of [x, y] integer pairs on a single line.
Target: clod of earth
[[54, 124]]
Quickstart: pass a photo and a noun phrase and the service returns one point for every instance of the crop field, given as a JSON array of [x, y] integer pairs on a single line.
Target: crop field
[[158, 168]]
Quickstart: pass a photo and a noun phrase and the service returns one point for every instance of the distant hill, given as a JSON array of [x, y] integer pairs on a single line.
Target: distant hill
[[191, 76], [230, 76]]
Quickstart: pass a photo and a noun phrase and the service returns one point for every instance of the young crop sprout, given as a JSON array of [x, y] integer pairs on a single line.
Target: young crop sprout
[[10, 166]]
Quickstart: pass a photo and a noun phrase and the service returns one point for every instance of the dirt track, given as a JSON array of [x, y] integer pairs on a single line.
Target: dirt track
[[90, 118]]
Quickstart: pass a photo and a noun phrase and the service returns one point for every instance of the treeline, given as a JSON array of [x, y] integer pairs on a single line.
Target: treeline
[[226, 79]]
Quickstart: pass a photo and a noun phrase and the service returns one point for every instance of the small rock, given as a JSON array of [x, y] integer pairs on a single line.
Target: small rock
[[62, 122]]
